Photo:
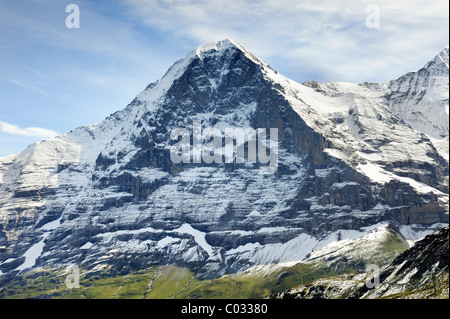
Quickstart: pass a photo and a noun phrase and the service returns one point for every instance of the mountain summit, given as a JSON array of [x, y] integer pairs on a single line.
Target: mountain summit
[[349, 162], [421, 98]]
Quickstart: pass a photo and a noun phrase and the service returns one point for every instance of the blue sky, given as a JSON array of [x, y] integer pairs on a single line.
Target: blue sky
[[54, 79]]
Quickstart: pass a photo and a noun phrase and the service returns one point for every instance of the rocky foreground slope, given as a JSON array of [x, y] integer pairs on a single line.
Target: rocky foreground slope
[[418, 273]]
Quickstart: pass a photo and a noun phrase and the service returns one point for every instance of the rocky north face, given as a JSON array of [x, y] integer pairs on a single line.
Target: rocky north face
[[351, 157]]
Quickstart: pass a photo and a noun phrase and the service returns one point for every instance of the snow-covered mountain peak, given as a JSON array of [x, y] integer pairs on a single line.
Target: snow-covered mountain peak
[[218, 46], [214, 55], [111, 191], [421, 98], [221, 48], [442, 59]]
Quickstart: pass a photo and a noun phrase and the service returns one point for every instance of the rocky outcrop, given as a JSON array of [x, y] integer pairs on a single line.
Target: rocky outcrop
[[424, 268], [420, 272]]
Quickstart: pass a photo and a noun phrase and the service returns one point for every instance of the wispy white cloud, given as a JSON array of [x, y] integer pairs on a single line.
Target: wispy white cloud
[[29, 87], [27, 131], [327, 36]]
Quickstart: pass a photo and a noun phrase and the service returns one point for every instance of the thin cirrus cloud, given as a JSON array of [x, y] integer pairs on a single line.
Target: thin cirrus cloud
[[29, 87], [27, 131]]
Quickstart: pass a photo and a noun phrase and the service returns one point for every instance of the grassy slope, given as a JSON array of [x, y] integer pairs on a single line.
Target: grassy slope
[[160, 282], [172, 281]]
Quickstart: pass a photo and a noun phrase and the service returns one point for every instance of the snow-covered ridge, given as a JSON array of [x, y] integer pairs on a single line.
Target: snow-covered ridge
[[363, 120], [442, 57]]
